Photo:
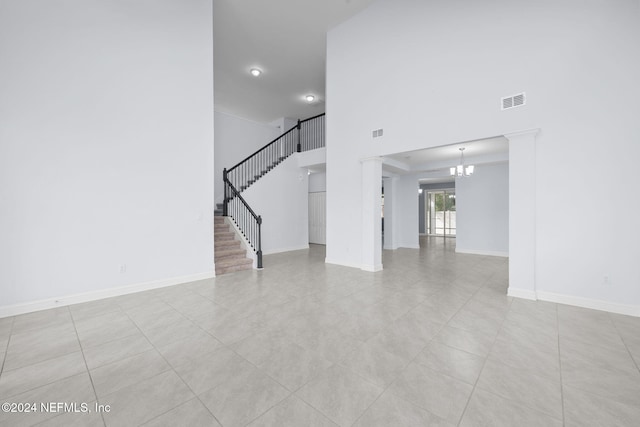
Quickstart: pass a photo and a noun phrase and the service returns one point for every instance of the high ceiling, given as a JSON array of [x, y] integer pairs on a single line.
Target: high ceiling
[[421, 159], [286, 39], [434, 163]]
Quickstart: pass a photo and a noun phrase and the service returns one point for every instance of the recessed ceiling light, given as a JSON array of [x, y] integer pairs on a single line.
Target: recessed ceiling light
[[255, 72], [309, 98]]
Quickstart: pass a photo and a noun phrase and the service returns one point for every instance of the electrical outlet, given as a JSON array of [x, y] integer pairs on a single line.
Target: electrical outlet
[[605, 280], [123, 268]]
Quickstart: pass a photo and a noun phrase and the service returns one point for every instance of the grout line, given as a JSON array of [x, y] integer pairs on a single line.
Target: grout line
[[504, 319], [171, 367], [86, 366], [6, 347], [412, 360], [560, 366], [624, 342]]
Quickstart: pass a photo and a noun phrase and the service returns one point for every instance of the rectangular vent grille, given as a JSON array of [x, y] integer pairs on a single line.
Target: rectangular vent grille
[[513, 101]]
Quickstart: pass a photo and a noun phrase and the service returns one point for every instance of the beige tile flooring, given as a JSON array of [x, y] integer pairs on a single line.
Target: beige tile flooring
[[431, 340]]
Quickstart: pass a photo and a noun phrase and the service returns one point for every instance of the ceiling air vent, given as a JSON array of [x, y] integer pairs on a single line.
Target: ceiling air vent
[[513, 101]]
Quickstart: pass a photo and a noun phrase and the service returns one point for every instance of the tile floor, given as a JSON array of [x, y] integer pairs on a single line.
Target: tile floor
[[431, 340]]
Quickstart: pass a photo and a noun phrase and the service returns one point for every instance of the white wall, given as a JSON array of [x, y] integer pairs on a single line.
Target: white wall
[[236, 139], [106, 146], [281, 197], [435, 72], [482, 211], [401, 212], [284, 124], [390, 235], [406, 213], [317, 182]]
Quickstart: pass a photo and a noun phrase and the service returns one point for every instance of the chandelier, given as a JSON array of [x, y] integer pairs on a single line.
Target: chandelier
[[461, 169]]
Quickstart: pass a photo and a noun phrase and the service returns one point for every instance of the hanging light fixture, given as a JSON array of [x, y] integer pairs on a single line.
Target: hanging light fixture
[[461, 169]]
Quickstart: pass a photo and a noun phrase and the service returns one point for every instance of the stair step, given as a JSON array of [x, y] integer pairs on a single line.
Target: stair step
[[226, 244], [224, 270], [219, 220], [224, 235], [221, 227], [224, 252], [231, 262]]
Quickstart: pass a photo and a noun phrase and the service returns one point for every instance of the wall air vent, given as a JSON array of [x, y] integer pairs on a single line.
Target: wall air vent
[[513, 101]]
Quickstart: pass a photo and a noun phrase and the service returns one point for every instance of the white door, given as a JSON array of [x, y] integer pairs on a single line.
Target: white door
[[318, 218]]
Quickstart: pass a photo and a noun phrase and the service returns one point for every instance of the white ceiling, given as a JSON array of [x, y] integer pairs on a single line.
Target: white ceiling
[[451, 153], [286, 39], [435, 162]]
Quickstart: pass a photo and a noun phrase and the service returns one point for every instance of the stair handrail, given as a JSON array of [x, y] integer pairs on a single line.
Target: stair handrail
[[297, 126], [258, 219], [262, 149], [261, 162]]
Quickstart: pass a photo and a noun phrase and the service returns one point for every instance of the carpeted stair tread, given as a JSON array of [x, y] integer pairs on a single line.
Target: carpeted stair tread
[[227, 252], [226, 244], [230, 262], [232, 269], [224, 235]]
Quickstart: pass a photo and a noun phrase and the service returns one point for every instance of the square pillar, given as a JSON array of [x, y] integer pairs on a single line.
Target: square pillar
[[371, 214]]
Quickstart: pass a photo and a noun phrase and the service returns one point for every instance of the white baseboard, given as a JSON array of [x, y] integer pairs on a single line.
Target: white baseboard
[[522, 293], [612, 307], [371, 268], [29, 307], [477, 252], [364, 267], [409, 246], [343, 264], [289, 249]]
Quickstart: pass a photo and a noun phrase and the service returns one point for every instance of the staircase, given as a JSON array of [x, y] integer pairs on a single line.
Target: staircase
[[306, 135], [229, 255]]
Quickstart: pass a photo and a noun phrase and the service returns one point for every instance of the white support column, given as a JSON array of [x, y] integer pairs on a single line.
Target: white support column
[[390, 213], [522, 214], [372, 214]]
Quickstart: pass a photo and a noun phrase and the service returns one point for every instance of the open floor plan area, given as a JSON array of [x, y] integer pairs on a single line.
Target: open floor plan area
[[431, 340]]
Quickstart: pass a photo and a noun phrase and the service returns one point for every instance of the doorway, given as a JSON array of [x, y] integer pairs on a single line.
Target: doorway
[[440, 212], [318, 218]]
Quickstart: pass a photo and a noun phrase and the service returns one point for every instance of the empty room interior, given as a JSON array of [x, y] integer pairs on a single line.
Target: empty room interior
[[309, 213]]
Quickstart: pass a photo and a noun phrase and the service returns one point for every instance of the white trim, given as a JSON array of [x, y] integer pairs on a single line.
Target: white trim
[[12, 310], [521, 293], [371, 268], [376, 159], [479, 252], [532, 132], [344, 264], [612, 307], [279, 250], [408, 246]]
